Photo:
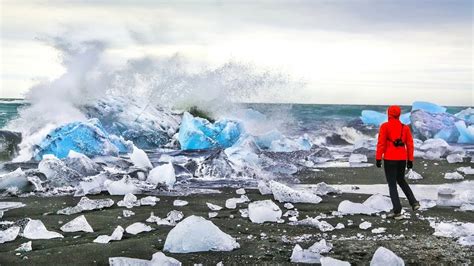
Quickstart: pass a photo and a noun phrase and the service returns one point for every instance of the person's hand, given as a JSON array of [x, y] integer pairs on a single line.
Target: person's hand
[[378, 163], [409, 164]]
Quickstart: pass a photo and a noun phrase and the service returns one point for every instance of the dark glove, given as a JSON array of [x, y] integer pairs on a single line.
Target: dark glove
[[409, 164], [378, 163]]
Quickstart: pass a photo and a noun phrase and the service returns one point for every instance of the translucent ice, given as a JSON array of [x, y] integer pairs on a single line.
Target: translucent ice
[[454, 158], [413, 175], [35, 229], [81, 164], [158, 259], [357, 158], [180, 203], [365, 225], [117, 235], [300, 255], [466, 133], [163, 174], [140, 159], [328, 261], [121, 187], [428, 107], [232, 202], [86, 204], [196, 234], [78, 224], [466, 170], [149, 200], [9, 234], [453, 175], [466, 115], [283, 193], [375, 118], [137, 228], [384, 257], [213, 207], [379, 202], [25, 247], [375, 203], [57, 173], [454, 229], [264, 211], [129, 201], [323, 226], [16, 179]]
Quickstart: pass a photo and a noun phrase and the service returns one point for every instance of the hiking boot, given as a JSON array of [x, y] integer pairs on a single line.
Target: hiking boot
[[415, 206], [396, 216]]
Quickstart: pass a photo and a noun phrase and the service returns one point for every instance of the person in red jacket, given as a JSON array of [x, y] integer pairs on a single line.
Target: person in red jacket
[[395, 147]]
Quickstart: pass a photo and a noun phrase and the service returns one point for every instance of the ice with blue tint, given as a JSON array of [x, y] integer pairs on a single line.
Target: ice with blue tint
[[428, 107], [197, 133], [264, 141], [375, 118], [88, 138], [466, 133], [466, 115]]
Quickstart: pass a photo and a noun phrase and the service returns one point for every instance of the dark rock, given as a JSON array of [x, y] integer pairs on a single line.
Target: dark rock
[[9, 142]]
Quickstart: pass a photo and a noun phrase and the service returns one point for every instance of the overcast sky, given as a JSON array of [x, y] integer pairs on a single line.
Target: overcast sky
[[361, 52]]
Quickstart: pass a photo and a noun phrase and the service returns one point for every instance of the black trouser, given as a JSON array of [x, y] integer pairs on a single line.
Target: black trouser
[[395, 173]]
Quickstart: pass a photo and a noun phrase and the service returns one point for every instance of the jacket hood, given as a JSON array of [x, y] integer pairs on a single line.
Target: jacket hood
[[394, 111]]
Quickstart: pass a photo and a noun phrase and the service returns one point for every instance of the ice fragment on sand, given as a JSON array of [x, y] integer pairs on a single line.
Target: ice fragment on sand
[[323, 226], [357, 158], [25, 247], [454, 158], [86, 204], [263, 188], [365, 225], [288, 206], [453, 175], [328, 261], [8, 205], [310, 255], [321, 247], [127, 213], [158, 259], [213, 207], [78, 224], [57, 173], [454, 230], [323, 189], [379, 230], [413, 175], [149, 201], [35, 229], [196, 234], [232, 202], [129, 201], [137, 228], [384, 257], [140, 159], [9, 234], [212, 214], [375, 203], [121, 187], [379, 203], [283, 193], [180, 203], [117, 235], [163, 174], [264, 211], [240, 191], [466, 170], [81, 164]]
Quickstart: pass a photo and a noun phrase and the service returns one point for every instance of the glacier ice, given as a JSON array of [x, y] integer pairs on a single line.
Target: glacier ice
[[137, 228], [149, 201], [379, 230], [16, 179], [374, 118], [434, 125], [379, 202], [264, 211], [232, 202], [9, 234], [129, 201], [196, 234], [197, 133], [78, 224], [453, 175], [365, 225], [428, 107], [283, 193], [384, 257], [5, 206], [357, 158], [25, 247], [466, 133], [159, 258], [323, 226], [263, 188], [466, 241], [454, 158], [323, 189], [91, 185], [117, 235], [240, 191], [86, 204], [328, 261], [321, 247], [121, 187], [35, 229], [349, 207], [81, 164], [88, 138], [213, 207], [466, 115], [466, 170], [180, 203], [163, 174], [463, 231], [57, 173], [300, 255], [413, 175], [140, 159]]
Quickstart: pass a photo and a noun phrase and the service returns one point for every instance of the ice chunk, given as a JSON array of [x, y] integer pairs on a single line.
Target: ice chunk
[[323, 226], [263, 188], [264, 211], [212, 214], [283, 193], [466, 170], [288, 206], [117, 235], [379, 230], [244, 213], [240, 191], [466, 207], [25, 247], [365, 225], [466, 115], [9, 234], [466, 241], [180, 203], [428, 125], [127, 213], [5, 206], [453, 175], [149, 201], [428, 107], [77, 224], [88, 138], [290, 145], [196, 234], [427, 204], [35, 229], [375, 118], [232, 202], [454, 230], [413, 175], [137, 228], [379, 202], [158, 220], [121, 187], [86, 204], [91, 185], [339, 226], [357, 158], [57, 173], [129, 201], [81, 164], [158, 259], [384, 257], [300, 255], [466, 133], [328, 261], [349, 207], [140, 159], [321, 247], [196, 133], [163, 174], [454, 158], [16, 179], [213, 207]]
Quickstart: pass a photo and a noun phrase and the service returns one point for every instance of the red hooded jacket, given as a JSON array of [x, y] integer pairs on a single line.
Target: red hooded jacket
[[389, 132]]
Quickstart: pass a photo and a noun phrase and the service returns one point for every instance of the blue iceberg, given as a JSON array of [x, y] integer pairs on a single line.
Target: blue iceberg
[[428, 107], [196, 133], [466, 134], [427, 125], [374, 118], [264, 141], [466, 115], [88, 138]]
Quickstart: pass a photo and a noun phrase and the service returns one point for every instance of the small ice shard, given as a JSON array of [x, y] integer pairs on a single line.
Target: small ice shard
[[323, 226], [196, 234], [121, 187], [244, 213], [116, 236], [323, 189], [86, 204], [384, 257], [466, 170], [129, 201], [158, 220], [328, 261], [174, 216], [149, 201], [466, 241], [454, 158], [127, 213], [300, 255], [453, 175], [158, 259], [163, 174], [35, 229], [357, 158], [288, 206], [263, 188], [137, 228], [379, 230], [78, 224], [264, 211], [232, 202], [9, 234], [413, 175], [240, 191], [213, 207], [140, 159], [180, 203], [25, 247], [321, 247], [8, 205], [365, 225], [284, 193], [339, 226], [212, 214]]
